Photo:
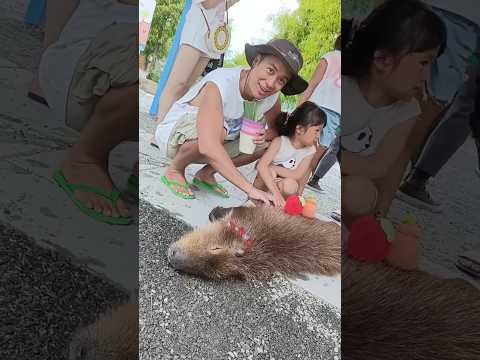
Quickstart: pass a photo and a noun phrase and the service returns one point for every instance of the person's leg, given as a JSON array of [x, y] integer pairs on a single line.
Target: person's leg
[[325, 163], [358, 197], [449, 135], [288, 187], [114, 120], [475, 126], [321, 152], [188, 153], [207, 173], [197, 71], [186, 63], [58, 12], [259, 183]]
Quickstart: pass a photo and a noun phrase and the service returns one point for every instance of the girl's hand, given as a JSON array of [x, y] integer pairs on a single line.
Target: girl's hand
[[278, 200], [260, 139], [260, 195]]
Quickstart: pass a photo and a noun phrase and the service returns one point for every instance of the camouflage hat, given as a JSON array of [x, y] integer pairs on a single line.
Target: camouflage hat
[[290, 56]]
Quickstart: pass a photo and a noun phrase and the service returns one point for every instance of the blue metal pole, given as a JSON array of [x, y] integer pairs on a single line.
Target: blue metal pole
[[170, 58], [35, 12]]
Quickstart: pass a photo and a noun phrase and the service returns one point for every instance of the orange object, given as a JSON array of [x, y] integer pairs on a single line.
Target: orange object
[[403, 252], [310, 207]]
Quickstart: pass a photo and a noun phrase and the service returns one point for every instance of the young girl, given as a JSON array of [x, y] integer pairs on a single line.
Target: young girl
[[385, 65], [288, 158]]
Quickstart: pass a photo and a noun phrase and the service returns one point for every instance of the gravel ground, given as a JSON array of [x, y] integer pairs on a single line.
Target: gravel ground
[[182, 317], [44, 297]]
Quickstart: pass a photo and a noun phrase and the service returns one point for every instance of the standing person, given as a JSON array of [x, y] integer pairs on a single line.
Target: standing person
[[324, 89], [204, 125], [456, 76], [194, 53]]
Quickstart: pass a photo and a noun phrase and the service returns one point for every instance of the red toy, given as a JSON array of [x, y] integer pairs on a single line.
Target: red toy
[[367, 240], [293, 205]]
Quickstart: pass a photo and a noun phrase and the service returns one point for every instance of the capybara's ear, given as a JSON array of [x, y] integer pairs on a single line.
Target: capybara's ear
[[218, 213]]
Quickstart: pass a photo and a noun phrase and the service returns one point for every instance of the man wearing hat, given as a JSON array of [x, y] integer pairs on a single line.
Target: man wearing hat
[[204, 125]]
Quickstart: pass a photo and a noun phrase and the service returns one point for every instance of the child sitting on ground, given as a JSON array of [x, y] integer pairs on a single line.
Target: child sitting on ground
[[385, 64], [288, 157]]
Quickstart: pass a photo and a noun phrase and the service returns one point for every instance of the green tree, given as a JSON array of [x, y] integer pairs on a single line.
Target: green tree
[[313, 27], [162, 30]]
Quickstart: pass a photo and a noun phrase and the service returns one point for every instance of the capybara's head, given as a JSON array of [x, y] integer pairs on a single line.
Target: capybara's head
[[211, 252], [255, 242], [114, 336]]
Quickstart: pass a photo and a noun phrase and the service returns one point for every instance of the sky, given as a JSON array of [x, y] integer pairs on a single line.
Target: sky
[[252, 20]]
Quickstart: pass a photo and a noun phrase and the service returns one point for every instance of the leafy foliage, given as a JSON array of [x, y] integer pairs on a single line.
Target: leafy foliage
[[313, 27], [162, 30]]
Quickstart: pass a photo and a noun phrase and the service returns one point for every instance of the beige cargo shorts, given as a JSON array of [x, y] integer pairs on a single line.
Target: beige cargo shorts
[[186, 130]]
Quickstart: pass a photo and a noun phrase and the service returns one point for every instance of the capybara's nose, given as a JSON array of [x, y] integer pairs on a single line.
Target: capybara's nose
[[175, 256], [171, 252]]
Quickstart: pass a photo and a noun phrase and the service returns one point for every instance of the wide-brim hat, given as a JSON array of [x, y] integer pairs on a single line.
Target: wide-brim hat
[[288, 54]]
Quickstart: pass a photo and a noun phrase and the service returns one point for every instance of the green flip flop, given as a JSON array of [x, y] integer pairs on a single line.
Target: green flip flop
[[214, 188], [168, 183], [112, 197]]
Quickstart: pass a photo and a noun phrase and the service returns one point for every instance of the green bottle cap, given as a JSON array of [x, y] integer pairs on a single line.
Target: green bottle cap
[[475, 59], [409, 219]]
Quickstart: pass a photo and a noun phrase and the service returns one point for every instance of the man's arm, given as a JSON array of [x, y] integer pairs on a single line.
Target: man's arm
[[211, 134]]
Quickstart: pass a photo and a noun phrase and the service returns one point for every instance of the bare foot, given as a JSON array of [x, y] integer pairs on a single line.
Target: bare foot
[[207, 174], [96, 175], [179, 177]]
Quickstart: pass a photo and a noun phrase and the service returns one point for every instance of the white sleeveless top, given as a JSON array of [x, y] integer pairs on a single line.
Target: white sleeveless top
[[328, 92], [364, 126], [290, 157], [228, 83], [195, 28]]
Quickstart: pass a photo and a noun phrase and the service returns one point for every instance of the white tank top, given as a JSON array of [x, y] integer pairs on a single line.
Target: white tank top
[[290, 157], [328, 92]]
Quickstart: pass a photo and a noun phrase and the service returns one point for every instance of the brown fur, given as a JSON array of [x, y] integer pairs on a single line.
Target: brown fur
[[114, 336], [281, 243], [390, 314]]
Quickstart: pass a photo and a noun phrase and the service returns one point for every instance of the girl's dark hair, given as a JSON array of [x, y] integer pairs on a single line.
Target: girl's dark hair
[[338, 43], [399, 27], [308, 114]]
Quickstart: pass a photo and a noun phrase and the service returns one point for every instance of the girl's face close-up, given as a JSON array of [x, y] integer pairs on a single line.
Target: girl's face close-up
[[405, 76], [309, 136]]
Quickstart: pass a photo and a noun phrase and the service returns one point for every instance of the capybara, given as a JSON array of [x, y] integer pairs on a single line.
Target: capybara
[[114, 336], [254, 242], [391, 314]]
